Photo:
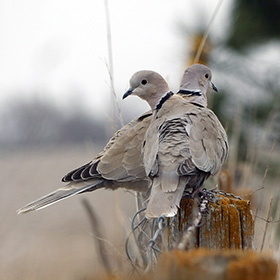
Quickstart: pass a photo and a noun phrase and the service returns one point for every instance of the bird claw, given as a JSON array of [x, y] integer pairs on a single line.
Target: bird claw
[[188, 194], [208, 195]]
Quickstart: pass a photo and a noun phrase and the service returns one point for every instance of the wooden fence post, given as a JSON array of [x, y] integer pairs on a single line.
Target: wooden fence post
[[229, 224]]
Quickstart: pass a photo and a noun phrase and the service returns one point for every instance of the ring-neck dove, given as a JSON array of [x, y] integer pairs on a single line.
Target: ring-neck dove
[[184, 144], [120, 163]]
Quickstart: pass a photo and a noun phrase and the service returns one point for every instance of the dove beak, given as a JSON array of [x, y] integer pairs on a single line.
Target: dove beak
[[214, 87], [129, 92]]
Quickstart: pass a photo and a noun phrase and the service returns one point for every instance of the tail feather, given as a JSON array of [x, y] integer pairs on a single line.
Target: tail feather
[[162, 203], [69, 190]]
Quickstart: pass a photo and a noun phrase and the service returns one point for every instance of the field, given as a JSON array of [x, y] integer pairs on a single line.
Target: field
[[56, 242]]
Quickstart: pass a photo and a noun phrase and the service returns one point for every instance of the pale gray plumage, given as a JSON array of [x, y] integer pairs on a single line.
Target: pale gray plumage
[[120, 164], [184, 144]]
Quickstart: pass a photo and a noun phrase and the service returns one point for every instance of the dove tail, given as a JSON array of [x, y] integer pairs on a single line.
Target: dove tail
[[163, 203], [58, 195]]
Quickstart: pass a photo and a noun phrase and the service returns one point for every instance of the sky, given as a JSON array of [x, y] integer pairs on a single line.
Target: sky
[[58, 49]]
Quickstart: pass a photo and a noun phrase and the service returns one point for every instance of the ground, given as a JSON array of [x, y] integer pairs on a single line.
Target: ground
[[55, 242]]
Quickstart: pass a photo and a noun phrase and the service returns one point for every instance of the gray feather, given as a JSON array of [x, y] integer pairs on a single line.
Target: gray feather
[[58, 195], [184, 144]]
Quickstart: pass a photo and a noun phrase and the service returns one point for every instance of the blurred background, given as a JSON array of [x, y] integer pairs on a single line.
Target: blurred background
[[57, 112]]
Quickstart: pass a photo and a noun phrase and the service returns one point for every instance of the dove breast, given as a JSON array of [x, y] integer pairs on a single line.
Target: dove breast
[[186, 131]]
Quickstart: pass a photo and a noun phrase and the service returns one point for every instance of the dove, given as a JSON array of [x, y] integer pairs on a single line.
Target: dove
[[120, 163], [184, 144]]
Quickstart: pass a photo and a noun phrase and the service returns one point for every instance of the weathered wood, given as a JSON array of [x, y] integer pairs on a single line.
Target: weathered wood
[[201, 264], [221, 248], [204, 264], [229, 224]]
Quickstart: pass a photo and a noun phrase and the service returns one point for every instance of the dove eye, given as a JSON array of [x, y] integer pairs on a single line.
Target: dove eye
[[206, 76], [144, 82]]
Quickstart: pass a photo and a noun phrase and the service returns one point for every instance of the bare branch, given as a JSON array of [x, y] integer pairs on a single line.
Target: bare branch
[[266, 225]]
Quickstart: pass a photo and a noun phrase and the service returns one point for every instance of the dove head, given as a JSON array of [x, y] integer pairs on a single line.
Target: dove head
[[148, 85], [195, 83]]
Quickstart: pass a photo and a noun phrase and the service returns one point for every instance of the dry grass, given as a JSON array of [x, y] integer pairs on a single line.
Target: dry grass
[[56, 242]]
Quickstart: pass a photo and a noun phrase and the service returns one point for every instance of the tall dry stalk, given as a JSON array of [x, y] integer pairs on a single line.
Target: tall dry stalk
[[266, 225], [97, 234], [237, 124], [114, 103], [205, 36], [110, 68]]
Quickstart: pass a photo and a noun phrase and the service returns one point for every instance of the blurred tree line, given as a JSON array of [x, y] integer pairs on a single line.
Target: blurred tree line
[[246, 66], [248, 102], [33, 121], [253, 24]]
